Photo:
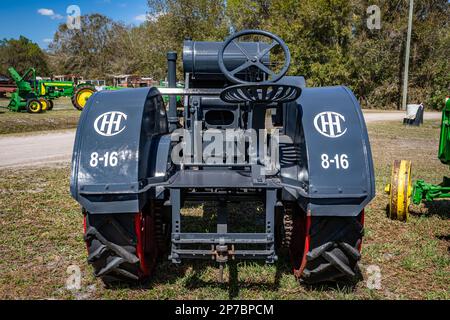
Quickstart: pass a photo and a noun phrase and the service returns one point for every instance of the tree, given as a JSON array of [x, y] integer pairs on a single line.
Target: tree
[[329, 41], [172, 21], [22, 54], [196, 19], [90, 51], [330, 44], [248, 14], [378, 55]]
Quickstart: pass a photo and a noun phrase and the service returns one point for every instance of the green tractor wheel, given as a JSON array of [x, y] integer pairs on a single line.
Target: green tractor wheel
[[34, 106], [82, 95]]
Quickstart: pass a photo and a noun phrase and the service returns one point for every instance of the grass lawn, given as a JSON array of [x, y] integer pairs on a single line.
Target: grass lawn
[[63, 116], [41, 236]]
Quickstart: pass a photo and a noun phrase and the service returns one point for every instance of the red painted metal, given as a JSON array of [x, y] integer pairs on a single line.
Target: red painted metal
[[305, 237], [363, 213], [140, 229]]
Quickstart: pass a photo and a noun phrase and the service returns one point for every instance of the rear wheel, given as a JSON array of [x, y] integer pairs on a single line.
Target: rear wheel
[[45, 104], [122, 248], [400, 191], [325, 249], [34, 106], [50, 105], [334, 251], [81, 96]]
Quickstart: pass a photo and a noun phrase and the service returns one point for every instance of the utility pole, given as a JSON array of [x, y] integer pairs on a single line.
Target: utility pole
[[408, 46]]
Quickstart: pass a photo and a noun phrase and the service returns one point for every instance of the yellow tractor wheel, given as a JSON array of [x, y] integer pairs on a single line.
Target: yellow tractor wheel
[[400, 190], [81, 96], [34, 106], [45, 104]]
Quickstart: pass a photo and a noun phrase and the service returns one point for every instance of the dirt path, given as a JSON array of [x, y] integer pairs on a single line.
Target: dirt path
[[373, 116], [40, 149], [43, 149]]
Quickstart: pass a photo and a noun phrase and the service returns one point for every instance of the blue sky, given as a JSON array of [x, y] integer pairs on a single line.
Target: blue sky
[[39, 19]]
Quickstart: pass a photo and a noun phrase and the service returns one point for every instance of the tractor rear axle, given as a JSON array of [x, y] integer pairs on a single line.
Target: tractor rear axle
[[430, 192]]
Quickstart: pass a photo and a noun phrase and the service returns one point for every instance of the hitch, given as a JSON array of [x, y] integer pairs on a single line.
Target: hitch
[[221, 255]]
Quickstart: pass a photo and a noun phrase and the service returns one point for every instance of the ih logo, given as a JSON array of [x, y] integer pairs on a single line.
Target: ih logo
[[110, 123], [330, 124]]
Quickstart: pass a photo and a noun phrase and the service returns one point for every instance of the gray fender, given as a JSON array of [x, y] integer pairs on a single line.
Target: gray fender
[[336, 173], [115, 156]]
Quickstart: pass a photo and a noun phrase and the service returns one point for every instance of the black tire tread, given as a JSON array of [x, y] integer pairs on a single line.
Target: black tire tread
[[74, 96], [112, 251], [335, 254], [28, 106], [50, 106]]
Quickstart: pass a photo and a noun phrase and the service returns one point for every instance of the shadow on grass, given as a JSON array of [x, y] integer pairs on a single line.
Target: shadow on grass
[[439, 208], [445, 237], [191, 272], [234, 285], [168, 273]]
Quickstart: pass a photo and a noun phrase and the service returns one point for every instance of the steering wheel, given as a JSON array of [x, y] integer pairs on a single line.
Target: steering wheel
[[254, 60]]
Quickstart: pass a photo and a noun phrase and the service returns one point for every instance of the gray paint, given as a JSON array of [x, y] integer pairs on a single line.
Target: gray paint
[[332, 191], [200, 58], [172, 79], [144, 170], [105, 188]]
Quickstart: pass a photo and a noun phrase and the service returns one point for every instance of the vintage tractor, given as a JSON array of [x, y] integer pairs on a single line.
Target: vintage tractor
[[402, 192], [35, 96], [85, 90], [136, 166]]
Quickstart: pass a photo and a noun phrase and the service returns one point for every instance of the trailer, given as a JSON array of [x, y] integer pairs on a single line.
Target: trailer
[[6, 86]]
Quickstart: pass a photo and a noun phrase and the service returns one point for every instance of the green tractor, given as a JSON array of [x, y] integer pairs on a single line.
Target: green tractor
[[85, 90], [402, 191], [165, 84], [36, 96]]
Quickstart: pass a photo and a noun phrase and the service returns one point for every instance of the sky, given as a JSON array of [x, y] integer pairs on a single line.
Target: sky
[[39, 19]]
